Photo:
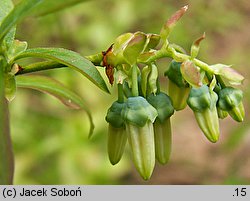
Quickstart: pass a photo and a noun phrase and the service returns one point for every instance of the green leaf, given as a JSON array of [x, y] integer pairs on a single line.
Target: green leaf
[[171, 22], [68, 58], [51, 6], [121, 42], [18, 13], [152, 41], [5, 7], [135, 47], [56, 89], [9, 38], [196, 46], [16, 48]]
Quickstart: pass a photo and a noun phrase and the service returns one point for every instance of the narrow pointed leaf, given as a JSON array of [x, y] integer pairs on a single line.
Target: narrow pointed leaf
[[56, 89], [196, 46], [18, 13], [169, 25], [51, 6], [5, 7], [9, 38], [71, 59]]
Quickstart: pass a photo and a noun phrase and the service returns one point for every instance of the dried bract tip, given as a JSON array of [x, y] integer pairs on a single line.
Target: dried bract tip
[[168, 26], [196, 46], [176, 16], [197, 42]]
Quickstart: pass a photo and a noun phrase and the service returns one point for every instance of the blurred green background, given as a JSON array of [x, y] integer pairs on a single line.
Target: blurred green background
[[50, 141]]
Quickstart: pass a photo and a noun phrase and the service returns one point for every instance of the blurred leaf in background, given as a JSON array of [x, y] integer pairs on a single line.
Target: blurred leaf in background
[[50, 141]]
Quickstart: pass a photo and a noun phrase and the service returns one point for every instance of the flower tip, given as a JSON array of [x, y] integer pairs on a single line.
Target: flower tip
[[214, 139], [113, 162], [185, 7], [238, 113], [146, 177], [163, 161]]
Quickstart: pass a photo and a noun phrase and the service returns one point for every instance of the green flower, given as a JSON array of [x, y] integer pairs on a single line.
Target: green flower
[[178, 88], [230, 100], [139, 116], [117, 137], [203, 103], [162, 126], [222, 114]]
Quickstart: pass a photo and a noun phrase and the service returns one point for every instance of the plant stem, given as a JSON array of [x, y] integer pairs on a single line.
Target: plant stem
[[40, 66], [158, 86], [96, 59], [120, 93], [180, 57], [219, 79], [6, 153], [134, 80]]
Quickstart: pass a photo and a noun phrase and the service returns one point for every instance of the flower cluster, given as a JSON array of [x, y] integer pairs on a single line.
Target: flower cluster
[[142, 113]]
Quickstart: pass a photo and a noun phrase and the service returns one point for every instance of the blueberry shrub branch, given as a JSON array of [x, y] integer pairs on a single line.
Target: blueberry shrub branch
[[142, 113], [145, 114]]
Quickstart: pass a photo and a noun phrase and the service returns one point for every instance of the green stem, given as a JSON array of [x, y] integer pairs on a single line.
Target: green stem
[[6, 153], [158, 86], [134, 81], [120, 93], [40, 66], [219, 79], [47, 65], [96, 59], [180, 57], [210, 77]]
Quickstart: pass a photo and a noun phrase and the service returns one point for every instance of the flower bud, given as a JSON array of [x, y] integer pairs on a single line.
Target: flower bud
[[203, 103], [139, 116], [230, 100], [163, 140], [178, 88], [163, 104], [178, 95], [152, 79], [221, 113], [117, 137], [162, 127]]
